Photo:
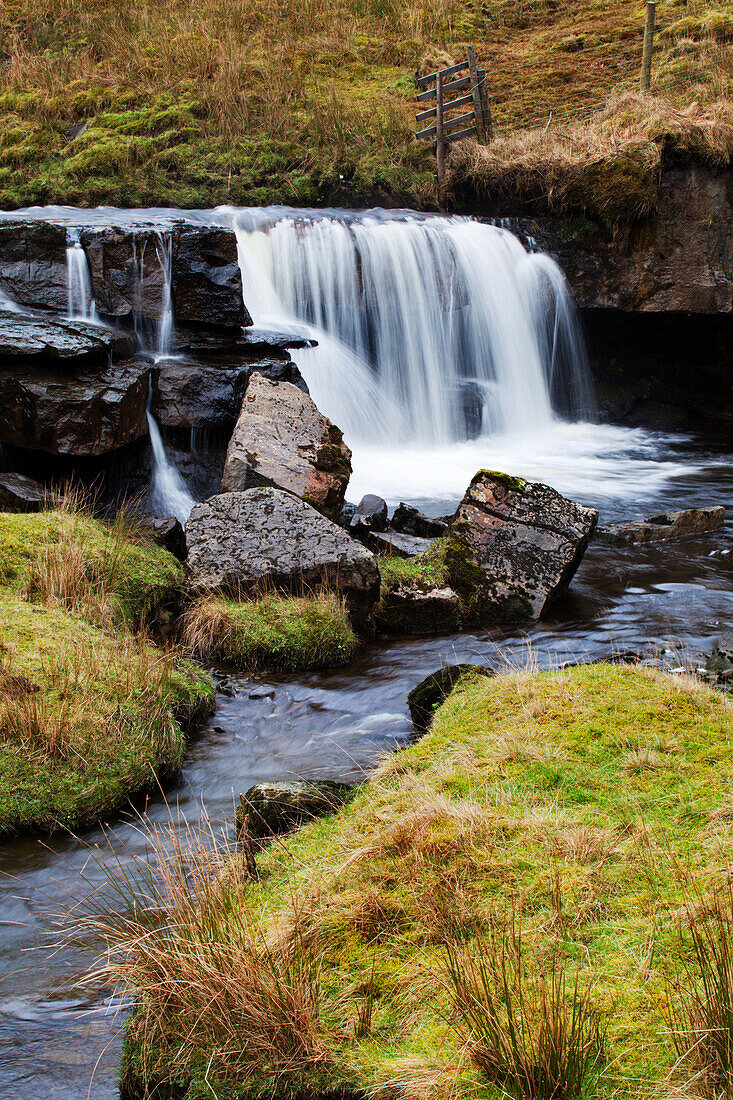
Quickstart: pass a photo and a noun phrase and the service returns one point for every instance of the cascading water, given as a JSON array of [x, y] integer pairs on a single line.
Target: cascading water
[[170, 495], [79, 291], [8, 305], [430, 330]]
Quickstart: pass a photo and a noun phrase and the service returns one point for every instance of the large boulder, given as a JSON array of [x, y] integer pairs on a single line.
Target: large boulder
[[281, 439], [409, 521], [270, 809], [90, 412], [207, 283], [33, 263], [409, 609], [242, 541], [668, 525], [514, 546], [370, 515], [25, 339], [19, 493], [128, 269]]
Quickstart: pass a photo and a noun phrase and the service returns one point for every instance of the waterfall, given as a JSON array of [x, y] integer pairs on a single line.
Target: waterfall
[[80, 295], [170, 495], [431, 330], [8, 305]]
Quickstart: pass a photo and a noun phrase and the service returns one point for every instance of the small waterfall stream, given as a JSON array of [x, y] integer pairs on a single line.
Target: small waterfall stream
[[79, 291]]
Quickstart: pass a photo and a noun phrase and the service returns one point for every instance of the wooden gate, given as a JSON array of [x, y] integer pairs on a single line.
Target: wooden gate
[[445, 125]]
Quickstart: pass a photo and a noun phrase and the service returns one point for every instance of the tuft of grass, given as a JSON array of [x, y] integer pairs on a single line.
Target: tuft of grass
[[273, 633], [87, 719], [67, 558], [516, 810], [527, 1030]]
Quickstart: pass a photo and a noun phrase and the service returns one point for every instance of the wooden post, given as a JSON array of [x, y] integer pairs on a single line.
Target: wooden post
[[646, 57], [478, 107], [484, 96], [439, 140]]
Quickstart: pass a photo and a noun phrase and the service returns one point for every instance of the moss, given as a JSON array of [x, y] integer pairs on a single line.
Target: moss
[[284, 633], [86, 559], [94, 719], [515, 484], [586, 804]]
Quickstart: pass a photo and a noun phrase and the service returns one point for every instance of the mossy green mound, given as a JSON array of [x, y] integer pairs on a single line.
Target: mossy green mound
[[74, 560], [273, 633], [585, 805], [87, 719]]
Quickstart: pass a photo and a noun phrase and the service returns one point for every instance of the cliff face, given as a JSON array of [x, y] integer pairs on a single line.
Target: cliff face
[[679, 261]]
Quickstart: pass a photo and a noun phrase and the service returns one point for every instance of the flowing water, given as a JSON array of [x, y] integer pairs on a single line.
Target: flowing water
[[78, 280], [444, 346]]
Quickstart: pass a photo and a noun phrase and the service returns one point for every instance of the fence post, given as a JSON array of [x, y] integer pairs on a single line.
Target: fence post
[[484, 96], [478, 107], [439, 142], [646, 57]]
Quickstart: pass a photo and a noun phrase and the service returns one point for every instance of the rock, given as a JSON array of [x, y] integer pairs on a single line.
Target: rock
[[267, 536], [128, 269], [346, 514], [410, 521], [33, 263], [270, 809], [210, 394], [720, 661], [514, 546], [263, 341], [425, 699], [281, 439], [168, 533], [40, 340], [392, 542], [370, 515], [406, 609], [19, 493], [207, 283], [90, 412], [668, 525]]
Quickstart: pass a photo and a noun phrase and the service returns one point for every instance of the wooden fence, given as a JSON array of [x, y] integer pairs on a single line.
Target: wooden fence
[[445, 125]]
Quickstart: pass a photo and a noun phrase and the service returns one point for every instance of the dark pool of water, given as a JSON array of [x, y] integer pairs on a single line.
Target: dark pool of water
[[58, 1042]]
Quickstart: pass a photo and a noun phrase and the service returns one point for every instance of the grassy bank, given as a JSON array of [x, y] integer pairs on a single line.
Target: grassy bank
[[90, 712], [201, 102], [556, 842], [271, 634]]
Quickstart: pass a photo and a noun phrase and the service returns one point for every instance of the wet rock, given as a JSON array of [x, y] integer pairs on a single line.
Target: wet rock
[[346, 515], [207, 283], [19, 493], [407, 609], [89, 412], [38, 340], [168, 533], [244, 540], [425, 699], [281, 439], [33, 263], [128, 269], [514, 546], [410, 521], [263, 341], [720, 661], [661, 528], [209, 394], [392, 542], [271, 809], [370, 515]]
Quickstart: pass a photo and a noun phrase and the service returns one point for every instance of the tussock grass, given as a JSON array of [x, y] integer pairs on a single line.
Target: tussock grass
[[455, 841], [272, 632]]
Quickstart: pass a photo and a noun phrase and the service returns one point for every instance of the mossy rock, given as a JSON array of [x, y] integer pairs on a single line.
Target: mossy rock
[[431, 692]]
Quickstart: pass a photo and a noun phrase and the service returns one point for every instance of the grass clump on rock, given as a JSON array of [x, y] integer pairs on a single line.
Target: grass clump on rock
[[87, 718], [271, 633], [532, 855]]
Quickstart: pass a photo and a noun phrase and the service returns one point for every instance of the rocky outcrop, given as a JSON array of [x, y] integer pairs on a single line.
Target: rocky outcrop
[[206, 281], [669, 525], [281, 439], [425, 699], [408, 609], [271, 809], [514, 546], [19, 493], [89, 412], [244, 540], [33, 263], [26, 339]]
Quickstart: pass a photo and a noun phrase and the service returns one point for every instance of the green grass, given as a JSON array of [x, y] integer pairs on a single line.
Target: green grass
[[427, 570], [76, 561], [87, 719], [272, 633], [585, 806]]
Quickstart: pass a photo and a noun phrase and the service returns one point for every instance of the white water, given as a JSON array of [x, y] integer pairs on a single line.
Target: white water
[[444, 347], [80, 296], [9, 305]]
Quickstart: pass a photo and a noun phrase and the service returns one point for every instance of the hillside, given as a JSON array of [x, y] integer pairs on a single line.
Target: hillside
[[203, 102]]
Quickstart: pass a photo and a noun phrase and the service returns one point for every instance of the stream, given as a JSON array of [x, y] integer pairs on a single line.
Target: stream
[[57, 1043]]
